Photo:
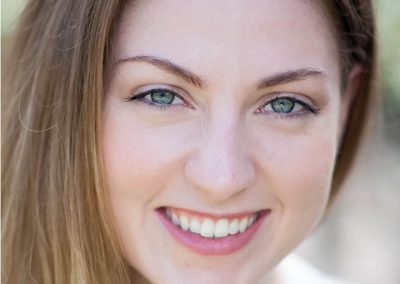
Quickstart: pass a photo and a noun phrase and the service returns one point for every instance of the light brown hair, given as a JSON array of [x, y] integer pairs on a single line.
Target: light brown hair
[[354, 25], [56, 221]]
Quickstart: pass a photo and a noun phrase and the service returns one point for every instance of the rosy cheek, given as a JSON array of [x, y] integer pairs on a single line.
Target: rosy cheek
[[142, 155], [314, 182], [299, 170]]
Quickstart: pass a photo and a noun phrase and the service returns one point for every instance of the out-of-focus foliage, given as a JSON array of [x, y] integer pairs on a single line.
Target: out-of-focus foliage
[[388, 15], [9, 12]]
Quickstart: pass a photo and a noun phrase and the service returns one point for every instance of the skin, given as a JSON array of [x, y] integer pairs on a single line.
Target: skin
[[216, 152]]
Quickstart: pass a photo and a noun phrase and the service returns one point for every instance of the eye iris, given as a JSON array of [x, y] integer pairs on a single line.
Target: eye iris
[[162, 97], [282, 105]]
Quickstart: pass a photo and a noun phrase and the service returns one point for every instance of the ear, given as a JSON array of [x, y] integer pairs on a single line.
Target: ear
[[349, 96]]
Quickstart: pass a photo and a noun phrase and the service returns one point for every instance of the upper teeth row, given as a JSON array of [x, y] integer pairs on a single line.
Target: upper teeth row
[[209, 228]]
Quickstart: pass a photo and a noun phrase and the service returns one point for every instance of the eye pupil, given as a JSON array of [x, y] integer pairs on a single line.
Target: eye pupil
[[282, 105], [162, 97]]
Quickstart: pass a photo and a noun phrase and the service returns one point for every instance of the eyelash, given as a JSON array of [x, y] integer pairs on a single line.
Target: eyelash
[[307, 108], [140, 97]]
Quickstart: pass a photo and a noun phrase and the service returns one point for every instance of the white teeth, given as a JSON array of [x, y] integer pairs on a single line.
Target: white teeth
[[221, 228], [175, 219], [195, 226], [207, 228], [252, 219], [243, 224], [234, 227], [184, 222]]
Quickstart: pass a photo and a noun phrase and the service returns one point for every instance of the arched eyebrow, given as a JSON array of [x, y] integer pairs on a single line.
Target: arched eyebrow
[[191, 78], [168, 66], [289, 76]]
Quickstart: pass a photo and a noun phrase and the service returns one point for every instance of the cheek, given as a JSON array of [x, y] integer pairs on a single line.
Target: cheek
[[298, 168], [308, 169], [140, 157], [140, 162]]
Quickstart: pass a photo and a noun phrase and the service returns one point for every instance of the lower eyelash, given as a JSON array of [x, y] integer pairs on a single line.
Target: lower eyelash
[[150, 104], [158, 106], [293, 115]]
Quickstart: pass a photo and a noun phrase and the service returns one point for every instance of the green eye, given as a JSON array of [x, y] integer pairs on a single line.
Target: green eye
[[288, 107], [282, 105], [162, 97], [158, 98]]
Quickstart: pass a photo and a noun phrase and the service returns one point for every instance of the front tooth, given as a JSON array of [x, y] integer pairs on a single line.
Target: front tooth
[[207, 228], [221, 228], [175, 219], [234, 227], [243, 224], [195, 226], [184, 221]]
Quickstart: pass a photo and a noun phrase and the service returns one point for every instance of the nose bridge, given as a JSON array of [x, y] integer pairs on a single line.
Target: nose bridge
[[221, 166]]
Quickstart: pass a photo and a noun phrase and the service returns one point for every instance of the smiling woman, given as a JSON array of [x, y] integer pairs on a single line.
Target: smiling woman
[[179, 142]]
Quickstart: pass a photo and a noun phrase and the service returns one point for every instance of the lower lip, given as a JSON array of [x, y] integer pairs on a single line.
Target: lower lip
[[206, 246]]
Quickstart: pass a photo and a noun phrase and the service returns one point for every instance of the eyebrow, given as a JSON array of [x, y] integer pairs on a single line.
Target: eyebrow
[[168, 66], [289, 76], [191, 78]]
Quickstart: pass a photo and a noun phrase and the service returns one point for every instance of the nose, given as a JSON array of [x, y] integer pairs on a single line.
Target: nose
[[221, 166]]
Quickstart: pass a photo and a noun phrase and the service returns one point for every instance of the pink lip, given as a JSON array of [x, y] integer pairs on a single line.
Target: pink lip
[[207, 246]]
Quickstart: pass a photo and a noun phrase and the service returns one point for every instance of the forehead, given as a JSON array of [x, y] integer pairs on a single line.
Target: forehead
[[263, 36]]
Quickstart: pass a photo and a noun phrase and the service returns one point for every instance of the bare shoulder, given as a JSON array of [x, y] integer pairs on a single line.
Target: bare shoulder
[[295, 270]]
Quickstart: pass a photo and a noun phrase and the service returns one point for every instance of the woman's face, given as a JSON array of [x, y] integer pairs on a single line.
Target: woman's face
[[221, 125]]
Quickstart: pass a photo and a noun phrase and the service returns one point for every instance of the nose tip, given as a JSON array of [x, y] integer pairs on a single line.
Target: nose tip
[[220, 171]]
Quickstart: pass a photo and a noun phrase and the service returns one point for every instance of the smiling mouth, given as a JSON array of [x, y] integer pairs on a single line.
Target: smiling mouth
[[208, 234], [208, 226]]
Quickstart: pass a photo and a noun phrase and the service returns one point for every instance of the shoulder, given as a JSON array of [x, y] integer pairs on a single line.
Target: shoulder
[[294, 269]]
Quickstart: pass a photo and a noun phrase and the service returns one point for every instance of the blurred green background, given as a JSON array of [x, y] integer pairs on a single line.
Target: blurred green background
[[359, 240], [388, 15]]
